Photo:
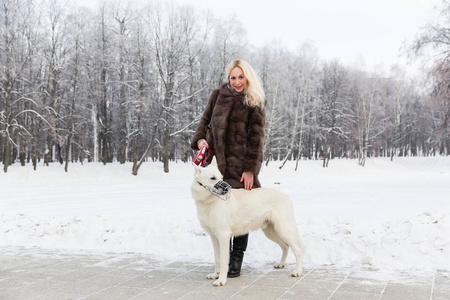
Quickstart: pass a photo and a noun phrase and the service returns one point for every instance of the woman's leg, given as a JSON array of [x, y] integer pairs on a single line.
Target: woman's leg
[[238, 246]]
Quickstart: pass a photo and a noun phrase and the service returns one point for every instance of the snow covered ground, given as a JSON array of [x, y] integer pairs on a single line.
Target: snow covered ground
[[386, 215]]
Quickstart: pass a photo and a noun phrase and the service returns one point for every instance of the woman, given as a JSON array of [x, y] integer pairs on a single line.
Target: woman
[[235, 117]]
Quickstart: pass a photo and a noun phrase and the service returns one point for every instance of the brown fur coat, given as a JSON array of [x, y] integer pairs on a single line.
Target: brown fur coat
[[236, 135]]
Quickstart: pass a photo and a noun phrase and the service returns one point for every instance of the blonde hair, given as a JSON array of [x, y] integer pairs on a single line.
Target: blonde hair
[[254, 93]]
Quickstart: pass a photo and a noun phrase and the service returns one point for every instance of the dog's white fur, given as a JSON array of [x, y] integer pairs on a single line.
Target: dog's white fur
[[244, 211]]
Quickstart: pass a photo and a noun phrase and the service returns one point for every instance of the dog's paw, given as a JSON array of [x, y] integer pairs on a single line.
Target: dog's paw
[[212, 276], [296, 273], [278, 266], [220, 282]]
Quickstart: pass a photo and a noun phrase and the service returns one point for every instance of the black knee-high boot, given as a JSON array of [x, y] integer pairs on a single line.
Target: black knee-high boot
[[237, 248]]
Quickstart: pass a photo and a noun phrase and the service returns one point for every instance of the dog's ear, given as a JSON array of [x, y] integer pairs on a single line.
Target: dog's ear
[[214, 161], [197, 169]]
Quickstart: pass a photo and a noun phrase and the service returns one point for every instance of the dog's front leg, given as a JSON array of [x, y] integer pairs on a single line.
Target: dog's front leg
[[216, 248], [224, 250]]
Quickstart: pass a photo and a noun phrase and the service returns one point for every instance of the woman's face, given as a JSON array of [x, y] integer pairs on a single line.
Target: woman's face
[[238, 80]]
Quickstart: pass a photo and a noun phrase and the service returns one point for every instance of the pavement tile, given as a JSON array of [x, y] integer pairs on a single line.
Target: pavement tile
[[131, 271], [193, 276], [58, 295], [441, 296], [310, 291], [207, 291], [260, 293], [396, 291], [151, 279], [81, 274], [441, 288], [180, 265], [92, 285], [278, 279], [17, 282], [170, 290], [116, 293], [10, 272], [39, 288], [362, 285], [348, 295], [33, 273]]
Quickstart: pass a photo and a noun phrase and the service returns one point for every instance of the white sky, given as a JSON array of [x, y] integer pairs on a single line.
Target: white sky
[[349, 30]]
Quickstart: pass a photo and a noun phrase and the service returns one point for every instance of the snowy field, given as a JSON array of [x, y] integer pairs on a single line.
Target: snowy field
[[386, 215]]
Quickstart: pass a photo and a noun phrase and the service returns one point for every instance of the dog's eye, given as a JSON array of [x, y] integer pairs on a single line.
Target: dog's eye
[[213, 178]]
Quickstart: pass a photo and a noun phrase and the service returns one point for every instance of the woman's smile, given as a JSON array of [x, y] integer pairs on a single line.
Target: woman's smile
[[238, 80]]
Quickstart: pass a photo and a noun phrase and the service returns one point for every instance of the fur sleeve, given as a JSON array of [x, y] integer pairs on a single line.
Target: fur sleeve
[[255, 141], [200, 133]]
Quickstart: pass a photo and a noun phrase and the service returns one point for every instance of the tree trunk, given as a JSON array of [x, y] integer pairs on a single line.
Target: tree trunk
[[137, 165]]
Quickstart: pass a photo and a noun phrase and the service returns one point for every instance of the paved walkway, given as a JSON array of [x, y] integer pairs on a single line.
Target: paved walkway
[[55, 274]]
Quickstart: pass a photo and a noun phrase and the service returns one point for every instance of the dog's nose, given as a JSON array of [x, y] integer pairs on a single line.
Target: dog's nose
[[222, 187]]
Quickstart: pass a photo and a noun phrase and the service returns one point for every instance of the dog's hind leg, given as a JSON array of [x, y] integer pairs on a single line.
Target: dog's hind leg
[[216, 248], [271, 234], [298, 249], [292, 238]]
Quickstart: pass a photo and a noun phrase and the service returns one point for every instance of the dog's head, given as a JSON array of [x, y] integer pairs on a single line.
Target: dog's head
[[209, 175], [210, 180]]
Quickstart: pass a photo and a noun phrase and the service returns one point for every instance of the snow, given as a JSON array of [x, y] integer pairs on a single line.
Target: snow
[[386, 215]]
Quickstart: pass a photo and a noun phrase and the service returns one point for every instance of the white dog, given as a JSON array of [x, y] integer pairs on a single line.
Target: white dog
[[243, 211]]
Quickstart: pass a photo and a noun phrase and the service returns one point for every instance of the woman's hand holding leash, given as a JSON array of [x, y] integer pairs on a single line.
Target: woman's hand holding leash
[[202, 143]]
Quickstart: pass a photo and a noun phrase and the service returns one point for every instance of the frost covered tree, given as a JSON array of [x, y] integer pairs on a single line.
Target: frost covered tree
[[128, 83], [176, 43], [304, 79], [333, 111], [273, 66], [16, 104], [365, 94], [435, 38]]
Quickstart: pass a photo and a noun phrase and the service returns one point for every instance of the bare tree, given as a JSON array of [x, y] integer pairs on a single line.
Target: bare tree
[[140, 66], [52, 94], [436, 36], [122, 16], [365, 91], [125, 85], [272, 64], [305, 85], [228, 43], [104, 104], [76, 33], [171, 36], [14, 26], [333, 109]]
